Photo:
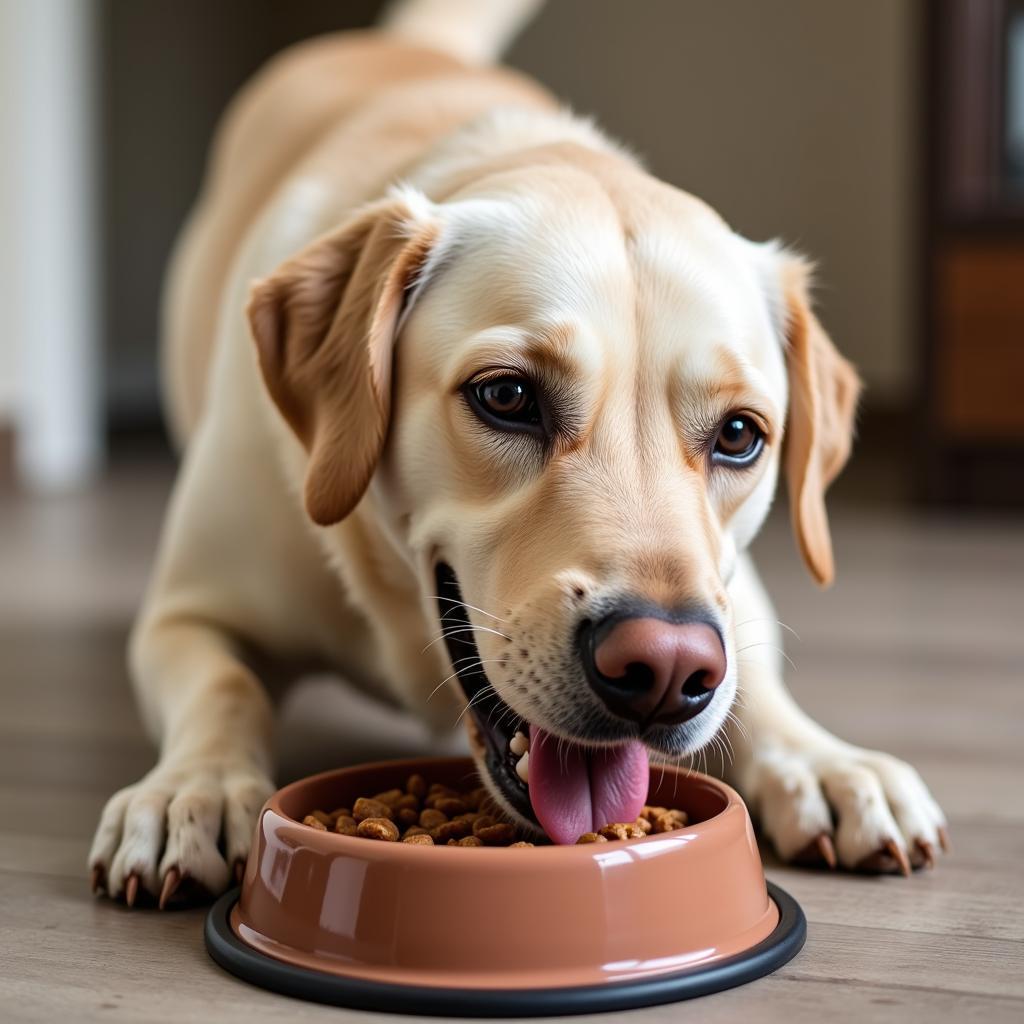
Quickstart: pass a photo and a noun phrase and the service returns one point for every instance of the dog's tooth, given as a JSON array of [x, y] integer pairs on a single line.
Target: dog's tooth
[[523, 767], [519, 744]]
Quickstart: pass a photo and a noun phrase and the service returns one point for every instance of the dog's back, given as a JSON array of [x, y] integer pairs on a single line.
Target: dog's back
[[303, 99]]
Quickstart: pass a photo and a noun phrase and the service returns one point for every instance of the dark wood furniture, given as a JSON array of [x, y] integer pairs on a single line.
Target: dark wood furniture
[[974, 252]]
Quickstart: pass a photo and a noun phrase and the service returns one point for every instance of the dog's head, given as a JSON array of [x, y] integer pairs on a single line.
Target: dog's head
[[576, 435]]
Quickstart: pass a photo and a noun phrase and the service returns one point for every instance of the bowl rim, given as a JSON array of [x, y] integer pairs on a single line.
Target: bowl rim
[[230, 952], [583, 850]]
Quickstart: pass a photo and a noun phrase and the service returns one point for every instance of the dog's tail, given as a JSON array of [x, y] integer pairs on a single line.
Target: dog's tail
[[474, 31]]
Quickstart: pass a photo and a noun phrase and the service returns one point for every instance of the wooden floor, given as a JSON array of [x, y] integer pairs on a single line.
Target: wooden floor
[[919, 650]]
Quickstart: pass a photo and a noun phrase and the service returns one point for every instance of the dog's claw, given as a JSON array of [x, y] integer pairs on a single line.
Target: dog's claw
[[171, 882], [890, 857], [827, 850], [925, 855], [899, 855], [819, 851], [944, 838], [239, 871], [131, 890], [99, 878]]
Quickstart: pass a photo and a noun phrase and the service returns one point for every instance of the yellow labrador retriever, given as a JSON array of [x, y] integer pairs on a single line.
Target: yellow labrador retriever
[[446, 360]]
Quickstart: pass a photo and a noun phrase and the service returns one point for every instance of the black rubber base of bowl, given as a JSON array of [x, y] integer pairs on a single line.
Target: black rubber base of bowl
[[228, 950]]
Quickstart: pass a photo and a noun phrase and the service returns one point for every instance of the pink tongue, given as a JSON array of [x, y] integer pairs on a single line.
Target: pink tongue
[[575, 790]]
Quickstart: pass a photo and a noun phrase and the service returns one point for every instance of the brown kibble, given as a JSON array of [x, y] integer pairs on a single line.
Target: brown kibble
[[451, 830], [438, 792], [621, 830], [378, 828], [431, 818], [425, 814], [670, 821], [365, 808], [418, 839], [450, 805], [345, 825], [500, 834], [475, 797]]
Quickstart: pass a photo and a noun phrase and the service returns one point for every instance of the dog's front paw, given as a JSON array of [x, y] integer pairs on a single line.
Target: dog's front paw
[[863, 809], [184, 829]]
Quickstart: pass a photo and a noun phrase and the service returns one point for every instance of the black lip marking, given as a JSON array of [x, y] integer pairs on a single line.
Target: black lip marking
[[496, 721]]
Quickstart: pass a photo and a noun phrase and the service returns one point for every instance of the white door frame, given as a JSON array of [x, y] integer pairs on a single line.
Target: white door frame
[[48, 137]]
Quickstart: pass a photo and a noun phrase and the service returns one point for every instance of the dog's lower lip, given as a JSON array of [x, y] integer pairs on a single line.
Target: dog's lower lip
[[495, 720]]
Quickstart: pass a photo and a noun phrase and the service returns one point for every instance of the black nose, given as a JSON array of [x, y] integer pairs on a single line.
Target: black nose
[[650, 669]]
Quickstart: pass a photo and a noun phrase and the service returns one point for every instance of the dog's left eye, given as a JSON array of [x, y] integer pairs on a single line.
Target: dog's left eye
[[508, 402], [739, 441]]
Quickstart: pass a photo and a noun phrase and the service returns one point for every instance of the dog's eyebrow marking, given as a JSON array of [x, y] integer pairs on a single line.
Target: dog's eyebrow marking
[[734, 383], [551, 348]]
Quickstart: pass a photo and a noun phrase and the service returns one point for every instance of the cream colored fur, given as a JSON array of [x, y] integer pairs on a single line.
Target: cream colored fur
[[410, 219]]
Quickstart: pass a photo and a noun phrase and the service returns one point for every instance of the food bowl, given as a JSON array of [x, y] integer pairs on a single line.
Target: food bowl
[[502, 931]]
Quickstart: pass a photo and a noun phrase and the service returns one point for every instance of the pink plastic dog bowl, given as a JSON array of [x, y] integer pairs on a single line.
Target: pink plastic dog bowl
[[502, 931]]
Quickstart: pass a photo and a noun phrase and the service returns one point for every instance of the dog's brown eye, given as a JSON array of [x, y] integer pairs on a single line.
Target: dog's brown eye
[[739, 441], [507, 402], [506, 397]]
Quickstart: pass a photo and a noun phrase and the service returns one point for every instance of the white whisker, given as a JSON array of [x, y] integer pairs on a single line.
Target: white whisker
[[766, 643], [479, 663], [464, 629], [765, 618], [463, 604]]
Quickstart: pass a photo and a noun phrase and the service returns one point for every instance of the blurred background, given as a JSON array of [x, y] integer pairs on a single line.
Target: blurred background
[[884, 138]]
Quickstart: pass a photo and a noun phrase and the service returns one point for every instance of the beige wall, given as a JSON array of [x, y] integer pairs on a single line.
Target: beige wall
[[794, 118], [8, 335]]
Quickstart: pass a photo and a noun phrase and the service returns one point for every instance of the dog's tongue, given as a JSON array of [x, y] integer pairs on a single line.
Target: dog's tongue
[[575, 790]]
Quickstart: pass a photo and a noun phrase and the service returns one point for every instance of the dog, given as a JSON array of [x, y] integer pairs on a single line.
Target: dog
[[446, 362]]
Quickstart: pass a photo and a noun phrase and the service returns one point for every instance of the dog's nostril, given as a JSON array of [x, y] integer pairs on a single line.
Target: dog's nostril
[[638, 676], [696, 684]]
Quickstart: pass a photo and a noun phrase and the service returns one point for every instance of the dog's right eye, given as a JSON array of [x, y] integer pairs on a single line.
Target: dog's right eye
[[507, 402]]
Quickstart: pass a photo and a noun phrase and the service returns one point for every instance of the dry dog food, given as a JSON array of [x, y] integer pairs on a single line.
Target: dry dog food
[[432, 815]]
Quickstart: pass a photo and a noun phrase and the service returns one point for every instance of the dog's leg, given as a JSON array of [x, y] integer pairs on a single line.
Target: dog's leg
[[798, 778], [191, 818], [234, 566]]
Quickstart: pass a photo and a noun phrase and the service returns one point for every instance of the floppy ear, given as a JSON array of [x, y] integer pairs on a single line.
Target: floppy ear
[[823, 390], [324, 324]]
